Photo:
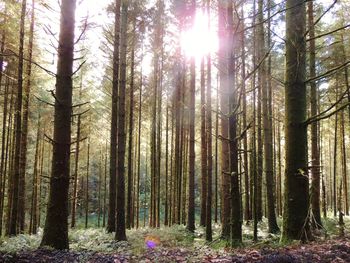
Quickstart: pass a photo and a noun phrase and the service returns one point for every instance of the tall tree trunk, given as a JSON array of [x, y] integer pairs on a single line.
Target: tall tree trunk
[[247, 211], [315, 155], [131, 130], [4, 139], [208, 232], [166, 206], [16, 179], [56, 225], [139, 150], [192, 157], [76, 173], [113, 149], [296, 194], [120, 214], [236, 221], [344, 165], [267, 125], [204, 145], [224, 102], [8, 160], [23, 157], [105, 191], [87, 187], [217, 155], [33, 208]]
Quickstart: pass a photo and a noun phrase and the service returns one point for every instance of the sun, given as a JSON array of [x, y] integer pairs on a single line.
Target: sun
[[198, 41]]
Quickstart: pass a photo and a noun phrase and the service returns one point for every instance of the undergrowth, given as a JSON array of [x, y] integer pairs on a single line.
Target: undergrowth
[[97, 239]]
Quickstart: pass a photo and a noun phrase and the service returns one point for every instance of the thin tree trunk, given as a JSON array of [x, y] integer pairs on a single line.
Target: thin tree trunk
[[76, 171], [4, 140], [18, 130], [33, 208], [131, 130], [204, 158], [105, 191], [87, 187], [267, 125], [208, 235]]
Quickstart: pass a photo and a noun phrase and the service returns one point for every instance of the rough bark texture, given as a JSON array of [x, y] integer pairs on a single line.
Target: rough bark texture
[[56, 225], [315, 155], [129, 213], [191, 174], [236, 221], [120, 206], [24, 135], [267, 126], [114, 119], [224, 95], [16, 173], [208, 232], [296, 195]]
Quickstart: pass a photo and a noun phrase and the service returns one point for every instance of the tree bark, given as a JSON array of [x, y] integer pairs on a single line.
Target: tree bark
[[120, 207], [267, 125], [56, 225], [296, 194], [114, 125], [16, 177], [315, 155]]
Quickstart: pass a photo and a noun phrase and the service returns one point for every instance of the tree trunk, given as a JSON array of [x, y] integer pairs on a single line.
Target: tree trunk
[[204, 145], [267, 125], [33, 208], [113, 149], [87, 186], [4, 140], [76, 171], [17, 179], [208, 232], [315, 155], [120, 211], [224, 102], [296, 194], [131, 130], [56, 225], [23, 157], [236, 222]]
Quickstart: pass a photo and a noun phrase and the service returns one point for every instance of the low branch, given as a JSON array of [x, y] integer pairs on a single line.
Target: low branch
[[312, 120], [328, 33], [329, 72]]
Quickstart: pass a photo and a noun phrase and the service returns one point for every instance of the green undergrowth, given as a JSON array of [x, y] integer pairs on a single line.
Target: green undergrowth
[[98, 240]]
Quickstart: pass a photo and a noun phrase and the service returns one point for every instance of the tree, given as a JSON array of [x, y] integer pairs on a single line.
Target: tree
[[120, 213], [56, 224], [267, 126], [296, 195], [191, 175], [16, 176], [315, 155], [114, 118], [224, 93]]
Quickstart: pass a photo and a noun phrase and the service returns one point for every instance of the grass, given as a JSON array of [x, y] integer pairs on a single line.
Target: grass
[[97, 239]]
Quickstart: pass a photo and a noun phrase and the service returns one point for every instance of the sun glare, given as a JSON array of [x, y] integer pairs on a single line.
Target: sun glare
[[198, 40]]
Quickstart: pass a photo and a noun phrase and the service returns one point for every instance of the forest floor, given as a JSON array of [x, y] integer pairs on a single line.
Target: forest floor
[[175, 244]]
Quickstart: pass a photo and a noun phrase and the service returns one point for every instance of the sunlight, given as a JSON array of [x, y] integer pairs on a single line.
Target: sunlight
[[198, 41]]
